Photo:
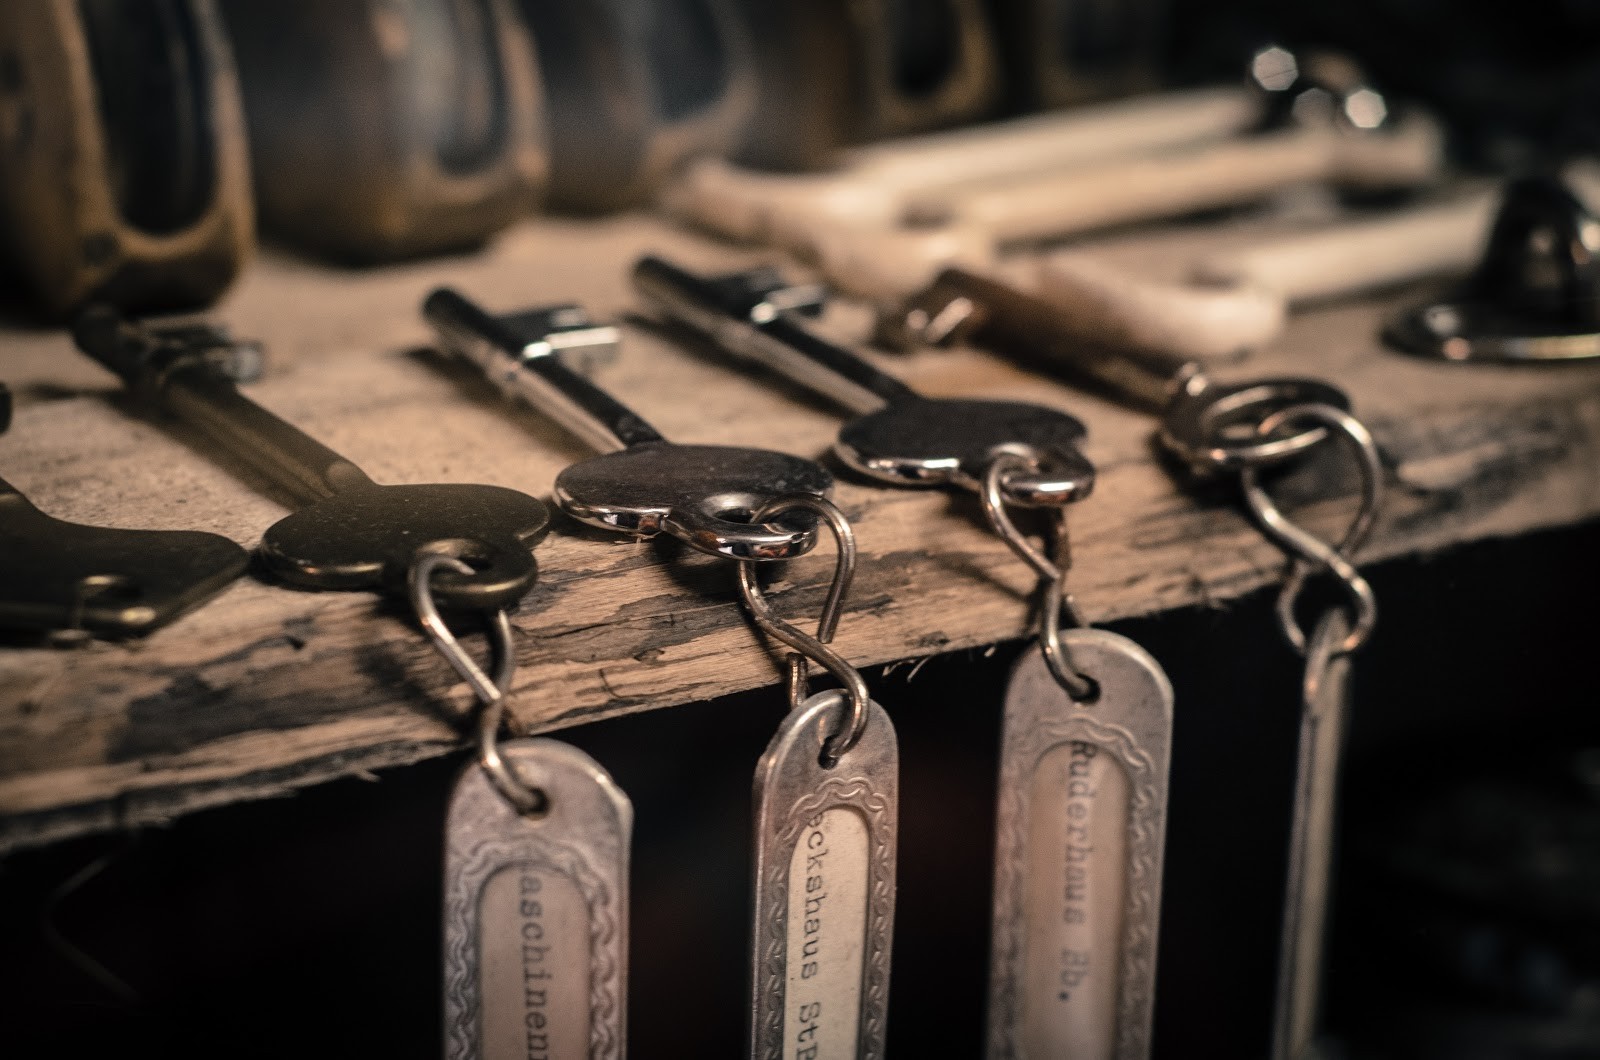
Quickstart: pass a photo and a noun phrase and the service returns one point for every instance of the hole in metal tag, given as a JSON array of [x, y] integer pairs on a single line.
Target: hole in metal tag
[[824, 887], [536, 912], [1080, 836]]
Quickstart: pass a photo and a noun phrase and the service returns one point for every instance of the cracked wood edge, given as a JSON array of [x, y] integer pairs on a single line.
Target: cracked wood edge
[[265, 691]]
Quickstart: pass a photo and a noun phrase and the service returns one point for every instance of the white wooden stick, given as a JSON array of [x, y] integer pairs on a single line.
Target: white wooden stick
[[1241, 298], [1172, 184], [886, 265], [874, 183], [1365, 255]]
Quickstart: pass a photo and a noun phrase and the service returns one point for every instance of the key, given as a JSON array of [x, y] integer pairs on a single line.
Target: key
[[127, 174], [1223, 428], [899, 436], [1207, 425], [351, 533], [57, 576], [641, 483]]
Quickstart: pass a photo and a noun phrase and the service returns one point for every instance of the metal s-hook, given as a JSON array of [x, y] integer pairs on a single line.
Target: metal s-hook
[[809, 647], [1052, 574], [491, 693], [1310, 553]]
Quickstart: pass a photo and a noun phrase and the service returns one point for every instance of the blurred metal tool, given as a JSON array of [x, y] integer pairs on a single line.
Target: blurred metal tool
[[635, 87], [1535, 296], [874, 186], [125, 175], [836, 72], [386, 129], [1239, 299], [1070, 52], [1364, 152]]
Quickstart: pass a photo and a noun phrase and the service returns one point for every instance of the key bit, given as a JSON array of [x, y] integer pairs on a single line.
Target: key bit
[[57, 576], [899, 436], [350, 533], [641, 483]]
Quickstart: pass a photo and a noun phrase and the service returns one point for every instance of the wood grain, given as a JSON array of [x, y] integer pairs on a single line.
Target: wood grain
[[267, 689]]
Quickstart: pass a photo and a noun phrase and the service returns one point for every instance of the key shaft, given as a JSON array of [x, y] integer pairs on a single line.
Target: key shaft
[[182, 376], [753, 322], [518, 354], [963, 305]]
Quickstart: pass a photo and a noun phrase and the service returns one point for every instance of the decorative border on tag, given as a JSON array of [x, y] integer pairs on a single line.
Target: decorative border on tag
[[463, 959], [856, 793], [1138, 945]]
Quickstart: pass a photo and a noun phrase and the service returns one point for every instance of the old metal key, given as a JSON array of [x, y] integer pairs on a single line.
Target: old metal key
[[57, 576], [641, 483], [899, 436], [1240, 429], [352, 533], [1208, 425]]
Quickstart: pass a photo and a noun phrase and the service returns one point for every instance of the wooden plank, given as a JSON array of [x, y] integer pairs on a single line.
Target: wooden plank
[[267, 689]]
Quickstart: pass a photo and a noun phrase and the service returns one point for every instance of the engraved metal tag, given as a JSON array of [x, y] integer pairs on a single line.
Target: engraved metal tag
[[536, 912], [1305, 902], [1081, 828], [824, 888]]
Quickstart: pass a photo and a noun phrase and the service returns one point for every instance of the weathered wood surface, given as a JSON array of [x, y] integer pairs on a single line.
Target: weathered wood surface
[[267, 689]]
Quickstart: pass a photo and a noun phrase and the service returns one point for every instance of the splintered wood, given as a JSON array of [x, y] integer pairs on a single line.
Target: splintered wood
[[266, 689]]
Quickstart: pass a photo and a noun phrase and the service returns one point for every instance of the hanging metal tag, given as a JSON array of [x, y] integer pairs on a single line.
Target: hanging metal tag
[[536, 912], [824, 887], [1081, 828], [1305, 900]]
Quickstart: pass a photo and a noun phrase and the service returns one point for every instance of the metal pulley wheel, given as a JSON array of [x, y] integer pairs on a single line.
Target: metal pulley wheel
[[1066, 52], [837, 72], [124, 173], [387, 129], [635, 87]]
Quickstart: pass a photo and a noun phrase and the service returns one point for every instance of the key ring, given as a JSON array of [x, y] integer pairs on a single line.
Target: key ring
[[814, 648], [491, 693], [1309, 553], [1052, 575]]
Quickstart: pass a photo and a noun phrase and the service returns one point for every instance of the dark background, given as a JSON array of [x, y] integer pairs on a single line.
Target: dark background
[[1465, 924]]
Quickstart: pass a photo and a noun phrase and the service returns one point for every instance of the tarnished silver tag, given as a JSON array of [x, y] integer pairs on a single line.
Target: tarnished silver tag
[[1081, 828], [536, 912], [824, 888], [1325, 700]]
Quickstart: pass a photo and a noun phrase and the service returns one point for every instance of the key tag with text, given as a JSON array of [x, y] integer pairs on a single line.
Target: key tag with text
[[1080, 832], [536, 882], [826, 823]]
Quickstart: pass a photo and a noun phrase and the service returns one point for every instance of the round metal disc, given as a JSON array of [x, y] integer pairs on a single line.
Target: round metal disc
[[952, 441], [702, 494]]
